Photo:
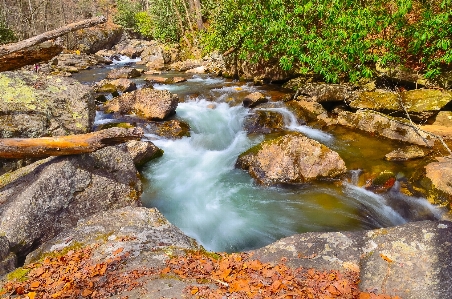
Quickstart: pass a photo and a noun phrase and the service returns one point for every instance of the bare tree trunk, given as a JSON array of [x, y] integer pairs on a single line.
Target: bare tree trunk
[[10, 48], [18, 148], [198, 14]]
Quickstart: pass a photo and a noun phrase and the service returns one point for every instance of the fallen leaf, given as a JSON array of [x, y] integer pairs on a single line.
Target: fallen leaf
[[194, 290], [86, 292], [34, 285], [385, 258], [117, 251], [31, 295]]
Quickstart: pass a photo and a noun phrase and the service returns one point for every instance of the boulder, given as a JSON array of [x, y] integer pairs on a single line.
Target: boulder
[[307, 110], [54, 194], [421, 104], [35, 105], [124, 72], [410, 261], [91, 40], [111, 86], [264, 122], [406, 153], [292, 158], [321, 92], [171, 129], [73, 63], [8, 259], [183, 66], [383, 125], [254, 99], [439, 175], [443, 118], [146, 103]]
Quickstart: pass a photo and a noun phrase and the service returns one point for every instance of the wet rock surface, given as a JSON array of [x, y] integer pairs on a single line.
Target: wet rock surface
[[404, 154], [264, 122], [439, 174], [292, 158], [172, 129], [124, 72], [111, 86]]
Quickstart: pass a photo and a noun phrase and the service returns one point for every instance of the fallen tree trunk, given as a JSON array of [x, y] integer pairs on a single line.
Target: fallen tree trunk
[[11, 48], [18, 148]]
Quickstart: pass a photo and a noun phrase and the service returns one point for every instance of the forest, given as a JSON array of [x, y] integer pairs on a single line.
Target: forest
[[338, 40]]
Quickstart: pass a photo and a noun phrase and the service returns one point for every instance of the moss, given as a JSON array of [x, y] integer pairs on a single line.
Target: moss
[[17, 92], [20, 274], [73, 246]]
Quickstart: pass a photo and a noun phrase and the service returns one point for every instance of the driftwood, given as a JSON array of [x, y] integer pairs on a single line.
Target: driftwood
[[11, 48], [18, 148]]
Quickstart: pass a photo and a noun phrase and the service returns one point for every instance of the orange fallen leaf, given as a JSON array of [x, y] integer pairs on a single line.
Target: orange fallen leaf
[[34, 285], [86, 292], [194, 290], [385, 258], [31, 295]]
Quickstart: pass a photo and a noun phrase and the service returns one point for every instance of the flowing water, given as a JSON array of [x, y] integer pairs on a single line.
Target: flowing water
[[196, 186]]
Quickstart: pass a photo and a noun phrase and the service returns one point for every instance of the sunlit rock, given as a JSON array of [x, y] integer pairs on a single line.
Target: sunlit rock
[[292, 158], [124, 72], [146, 103], [264, 122], [254, 99], [406, 153], [111, 86]]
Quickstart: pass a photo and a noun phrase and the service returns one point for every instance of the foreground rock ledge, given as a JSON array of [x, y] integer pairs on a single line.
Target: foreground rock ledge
[[411, 261]]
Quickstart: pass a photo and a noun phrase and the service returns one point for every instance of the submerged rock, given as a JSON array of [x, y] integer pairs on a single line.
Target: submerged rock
[[292, 158], [406, 153], [54, 194], [383, 125], [147, 103], [307, 110]]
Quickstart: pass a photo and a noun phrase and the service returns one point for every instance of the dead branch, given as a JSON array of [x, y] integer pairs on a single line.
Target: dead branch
[[17, 148], [14, 47]]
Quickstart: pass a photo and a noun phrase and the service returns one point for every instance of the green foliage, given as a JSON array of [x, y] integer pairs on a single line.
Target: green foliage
[[165, 20], [6, 34], [143, 24], [127, 10], [337, 39]]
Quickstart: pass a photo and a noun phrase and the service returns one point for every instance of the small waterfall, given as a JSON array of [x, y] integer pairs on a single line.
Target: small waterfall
[[292, 124]]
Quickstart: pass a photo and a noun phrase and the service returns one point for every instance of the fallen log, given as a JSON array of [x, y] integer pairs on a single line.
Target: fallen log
[[18, 148], [14, 47]]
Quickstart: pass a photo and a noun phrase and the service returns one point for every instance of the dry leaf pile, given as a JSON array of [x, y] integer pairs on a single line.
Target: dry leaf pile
[[238, 276], [74, 275]]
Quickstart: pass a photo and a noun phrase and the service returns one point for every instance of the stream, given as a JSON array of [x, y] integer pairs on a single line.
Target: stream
[[197, 188]]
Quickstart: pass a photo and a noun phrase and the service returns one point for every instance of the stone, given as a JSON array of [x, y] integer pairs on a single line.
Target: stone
[[74, 63], [254, 99], [292, 158], [439, 174], [53, 195], [142, 151], [124, 72], [111, 86], [443, 118], [171, 129], [307, 110], [36, 105], [143, 233], [156, 79], [383, 125], [321, 92], [418, 255], [183, 66], [405, 154], [264, 122], [146, 103], [421, 104]]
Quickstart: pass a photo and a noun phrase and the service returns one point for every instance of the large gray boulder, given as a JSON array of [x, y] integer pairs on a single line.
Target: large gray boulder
[[292, 158], [439, 180], [54, 194], [411, 261], [34, 105], [146, 103]]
